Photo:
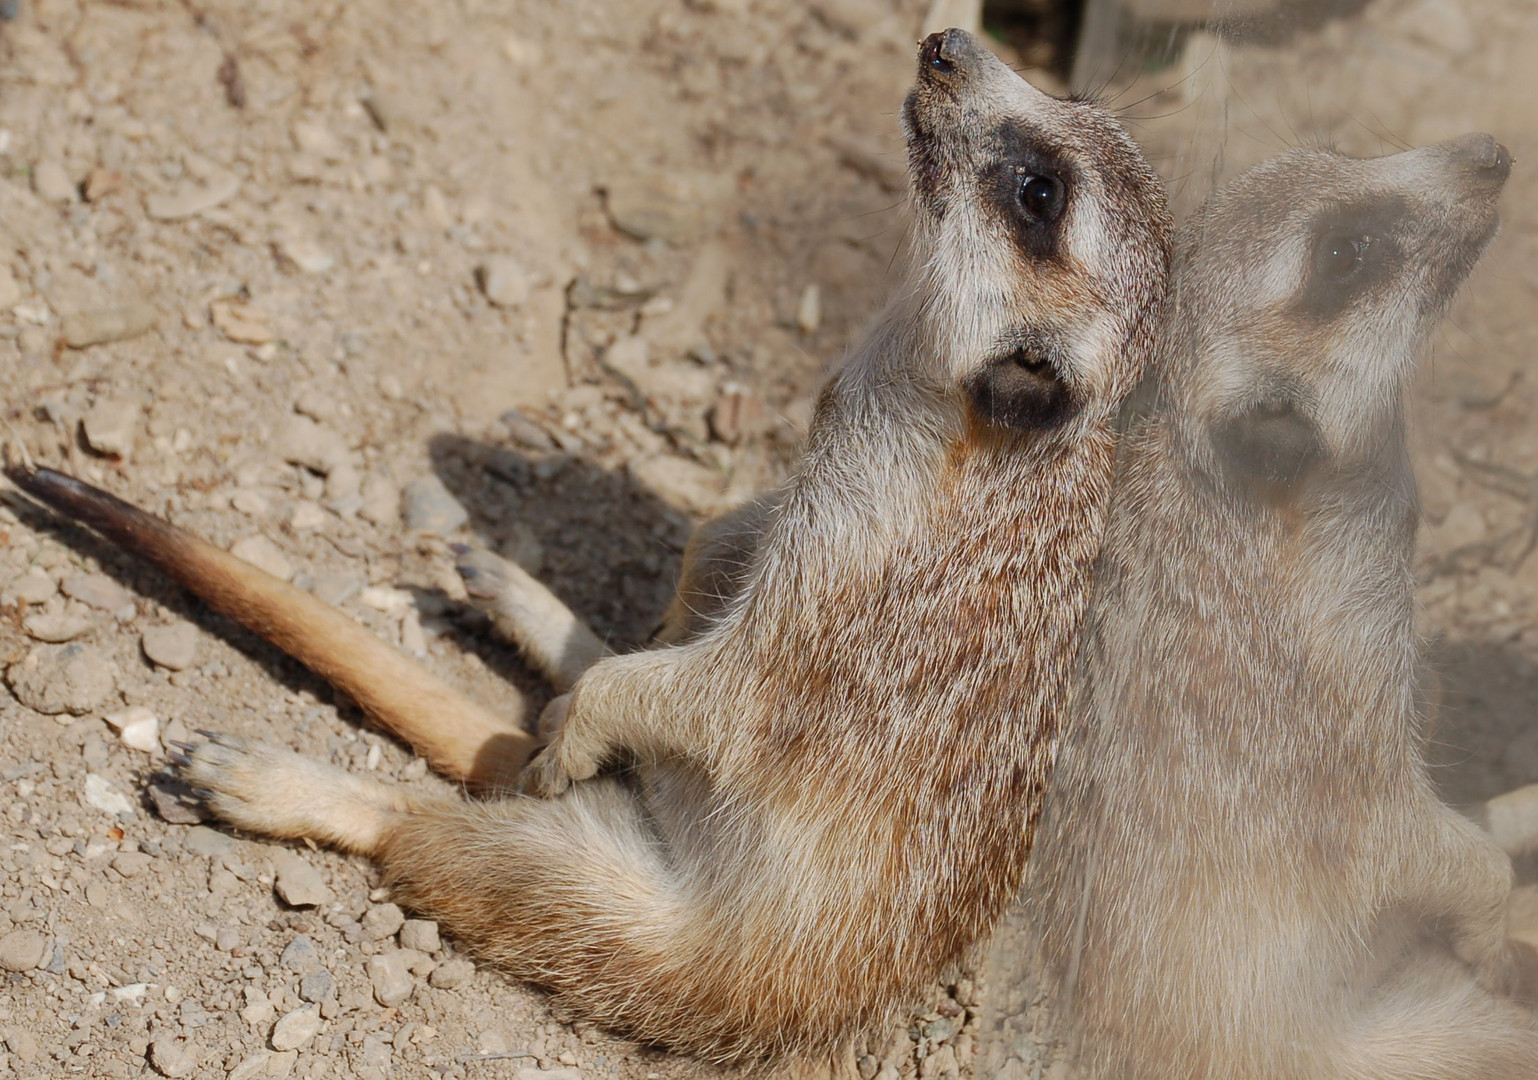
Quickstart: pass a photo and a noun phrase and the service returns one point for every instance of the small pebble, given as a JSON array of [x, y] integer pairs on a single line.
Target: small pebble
[[317, 987], [263, 554], [427, 506], [390, 978], [33, 587], [201, 840], [298, 883], [451, 974], [258, 1009], [190, 200], [381, 502], [141, 734], [256, 1066], [22, 950], [101, 794], [131, 863], [306, 254], [59, 679], [100, 182], [173, 806], [249, 503], [109, 427], [51, 182], [336, 589], [22, 1043], [300, 957], [302, 441], [226, 939], [174, 646], [809, 310], [98, 326], [503, 281], [420, 934], [169, 1057], [382, 921], [296, 1029], [56, 629], [97, 591]]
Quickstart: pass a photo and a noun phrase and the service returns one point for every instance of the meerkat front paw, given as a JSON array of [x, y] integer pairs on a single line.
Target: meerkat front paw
[[273, 791], [564, 760]]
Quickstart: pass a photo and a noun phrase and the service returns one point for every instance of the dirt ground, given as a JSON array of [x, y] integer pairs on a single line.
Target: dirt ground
[[281, 270]]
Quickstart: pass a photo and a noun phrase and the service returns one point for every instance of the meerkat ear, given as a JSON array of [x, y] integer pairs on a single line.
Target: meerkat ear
[[1270, 443], [1021, 390]]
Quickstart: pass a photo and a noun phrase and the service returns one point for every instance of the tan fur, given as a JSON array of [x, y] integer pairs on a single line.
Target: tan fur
[[835, 779], [460, 738], [1244, 870]]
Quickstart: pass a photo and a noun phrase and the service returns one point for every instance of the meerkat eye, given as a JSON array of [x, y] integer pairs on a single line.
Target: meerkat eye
[[1338, 255], [1041, 196]]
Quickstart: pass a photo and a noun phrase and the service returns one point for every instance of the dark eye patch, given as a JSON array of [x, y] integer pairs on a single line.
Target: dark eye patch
[[1355, 252], [1030, 187]]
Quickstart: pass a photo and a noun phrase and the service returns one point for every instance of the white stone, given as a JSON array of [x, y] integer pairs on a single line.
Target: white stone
[[296, 1029], [100, 794]]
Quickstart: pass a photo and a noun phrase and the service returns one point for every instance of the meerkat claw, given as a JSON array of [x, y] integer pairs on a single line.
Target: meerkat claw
[[543, 777]]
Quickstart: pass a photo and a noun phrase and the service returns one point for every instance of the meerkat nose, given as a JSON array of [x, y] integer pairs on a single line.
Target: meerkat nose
[[931, 53], [1489, 161], [942, 52]]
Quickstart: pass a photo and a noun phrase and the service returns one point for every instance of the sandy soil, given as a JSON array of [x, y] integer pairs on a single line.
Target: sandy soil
[[349, 238]]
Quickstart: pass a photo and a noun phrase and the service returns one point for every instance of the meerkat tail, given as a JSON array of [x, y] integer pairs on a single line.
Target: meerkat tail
[[458, 737]]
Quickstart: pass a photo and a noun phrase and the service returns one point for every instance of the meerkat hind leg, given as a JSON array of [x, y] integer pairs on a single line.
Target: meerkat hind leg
[[275, 792]]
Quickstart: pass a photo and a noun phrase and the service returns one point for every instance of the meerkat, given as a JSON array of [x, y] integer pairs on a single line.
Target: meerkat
[[835, 778], [1243, 869]]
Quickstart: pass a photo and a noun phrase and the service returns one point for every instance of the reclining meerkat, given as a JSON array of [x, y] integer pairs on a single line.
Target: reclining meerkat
[[1243, 869], [836, 780]]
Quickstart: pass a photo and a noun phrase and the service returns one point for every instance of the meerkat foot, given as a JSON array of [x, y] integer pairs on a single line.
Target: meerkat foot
[[560, 764], [545, 630], [276, 792]]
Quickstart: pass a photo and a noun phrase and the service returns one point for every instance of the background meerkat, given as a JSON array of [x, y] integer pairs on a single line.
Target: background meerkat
[[1244, 870], [838, 780]]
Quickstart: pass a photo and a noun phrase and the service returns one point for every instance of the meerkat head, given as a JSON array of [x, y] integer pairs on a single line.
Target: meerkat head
[[1304, 291], [1042, 237]]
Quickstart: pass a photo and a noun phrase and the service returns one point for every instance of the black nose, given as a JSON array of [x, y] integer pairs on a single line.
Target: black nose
[[941, 53]]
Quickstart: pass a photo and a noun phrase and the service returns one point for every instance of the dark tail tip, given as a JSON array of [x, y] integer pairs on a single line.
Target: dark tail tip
[[107, 514]]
